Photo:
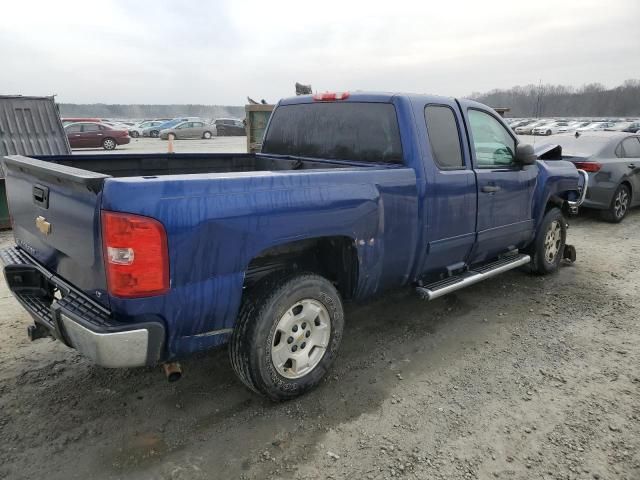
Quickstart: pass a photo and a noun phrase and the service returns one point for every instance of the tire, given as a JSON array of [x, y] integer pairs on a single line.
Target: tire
[[109, 143], [548, 246], [135, 134], [619, 205], [207, 135], [154, 133], [276, 319], [549, 133]]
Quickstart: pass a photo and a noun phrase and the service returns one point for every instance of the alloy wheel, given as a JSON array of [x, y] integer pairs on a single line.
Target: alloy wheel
[[301, 338]]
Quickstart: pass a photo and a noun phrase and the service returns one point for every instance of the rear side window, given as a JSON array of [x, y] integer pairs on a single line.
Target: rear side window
[[90, 127], [365, 132], [444, 138], [631, 147]]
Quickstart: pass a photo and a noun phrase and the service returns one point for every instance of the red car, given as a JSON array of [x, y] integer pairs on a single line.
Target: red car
[[94, 135]]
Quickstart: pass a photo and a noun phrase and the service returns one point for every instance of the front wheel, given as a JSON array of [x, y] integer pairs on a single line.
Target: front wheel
[[206, 135], [135, 134], [548, 246], [287, 335], [154, 133], [549, 132], [619, 205]]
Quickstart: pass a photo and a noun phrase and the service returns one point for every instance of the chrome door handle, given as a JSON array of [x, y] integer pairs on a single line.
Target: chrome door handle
[[631, 165], [490, 189]]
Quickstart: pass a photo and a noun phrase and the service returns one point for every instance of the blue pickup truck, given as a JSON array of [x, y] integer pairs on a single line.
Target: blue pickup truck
[[144, 259]]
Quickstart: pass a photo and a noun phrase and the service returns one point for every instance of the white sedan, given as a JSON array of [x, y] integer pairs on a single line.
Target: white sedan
[[550, 128]]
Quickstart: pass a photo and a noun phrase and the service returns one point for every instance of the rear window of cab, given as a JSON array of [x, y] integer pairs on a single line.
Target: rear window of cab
[[357, 131]]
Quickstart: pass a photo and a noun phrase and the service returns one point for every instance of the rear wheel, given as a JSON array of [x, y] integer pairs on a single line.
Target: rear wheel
[[109, 143], [154, 133], [287, 335], [548, 246], [619, 205], [206, 135], [135, 134]]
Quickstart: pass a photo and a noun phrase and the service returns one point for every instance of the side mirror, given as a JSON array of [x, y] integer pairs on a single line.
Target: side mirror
[[525, 154]]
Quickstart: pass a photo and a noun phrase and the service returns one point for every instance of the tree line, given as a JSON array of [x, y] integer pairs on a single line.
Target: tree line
[[590, 100], [102, 110]]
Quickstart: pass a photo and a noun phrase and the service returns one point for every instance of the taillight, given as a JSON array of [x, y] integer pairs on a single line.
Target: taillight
[[135, 255], [330, 96], [588, 166]]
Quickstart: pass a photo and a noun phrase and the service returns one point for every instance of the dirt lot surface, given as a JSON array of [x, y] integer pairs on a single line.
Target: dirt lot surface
[[519, 377]]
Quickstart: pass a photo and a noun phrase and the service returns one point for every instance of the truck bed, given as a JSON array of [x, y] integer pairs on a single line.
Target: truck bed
[[136, 165]]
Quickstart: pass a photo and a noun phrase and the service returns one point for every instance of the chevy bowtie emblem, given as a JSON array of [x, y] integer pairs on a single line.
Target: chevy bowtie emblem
[[43, 225]]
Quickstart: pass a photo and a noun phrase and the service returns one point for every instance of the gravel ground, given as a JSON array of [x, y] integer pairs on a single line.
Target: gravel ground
[[519, 377]]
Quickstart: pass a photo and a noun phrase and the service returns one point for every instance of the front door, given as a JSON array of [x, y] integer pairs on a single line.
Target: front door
[[505, 187]]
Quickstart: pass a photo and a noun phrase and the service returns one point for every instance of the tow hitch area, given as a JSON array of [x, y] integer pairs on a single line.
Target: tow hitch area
[[569, 253], [36, 331]]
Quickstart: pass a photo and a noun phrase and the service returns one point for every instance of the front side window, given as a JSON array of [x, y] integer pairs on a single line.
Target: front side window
[[357, 131], [444, 138], [182, 126], [73, 128], [493, 145]]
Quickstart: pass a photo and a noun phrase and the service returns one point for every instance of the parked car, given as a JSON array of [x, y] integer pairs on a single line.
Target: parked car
[[613, 162], [155, 130], [188, 130], [136, 130], [595, 127], [528, 129], [67, 120], [353, 194], [550, 128], [631, 127], [228, 127], [95, 135]]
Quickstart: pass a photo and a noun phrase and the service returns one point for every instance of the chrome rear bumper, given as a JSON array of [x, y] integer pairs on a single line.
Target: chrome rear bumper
[[74, 319]]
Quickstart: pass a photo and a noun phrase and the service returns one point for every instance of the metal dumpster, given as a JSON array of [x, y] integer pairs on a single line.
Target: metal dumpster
[[28, 126], [256, 120]]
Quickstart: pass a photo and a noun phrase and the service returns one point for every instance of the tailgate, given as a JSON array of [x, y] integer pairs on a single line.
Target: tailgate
[[55, 212]]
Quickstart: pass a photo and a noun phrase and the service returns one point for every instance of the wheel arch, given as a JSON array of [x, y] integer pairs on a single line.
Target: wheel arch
[[333, 257], [628, 184]]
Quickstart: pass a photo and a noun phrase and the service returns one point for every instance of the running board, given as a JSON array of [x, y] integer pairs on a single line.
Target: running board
[[478, 274]]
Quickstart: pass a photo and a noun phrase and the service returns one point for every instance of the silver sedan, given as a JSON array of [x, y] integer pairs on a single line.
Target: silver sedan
[[190, 129], [612, 160]]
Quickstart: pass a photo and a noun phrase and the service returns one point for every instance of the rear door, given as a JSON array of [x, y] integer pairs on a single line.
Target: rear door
[[449, 208], [197, 129], [631, 151], [56, 212], [92, 135], [505, 188]]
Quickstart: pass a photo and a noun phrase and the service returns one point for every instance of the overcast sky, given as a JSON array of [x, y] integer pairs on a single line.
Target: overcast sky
[[213, 52]]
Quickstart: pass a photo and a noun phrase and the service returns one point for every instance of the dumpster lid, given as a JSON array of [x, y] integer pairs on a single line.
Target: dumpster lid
[[31, 126]]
